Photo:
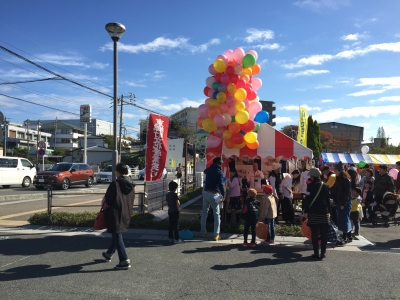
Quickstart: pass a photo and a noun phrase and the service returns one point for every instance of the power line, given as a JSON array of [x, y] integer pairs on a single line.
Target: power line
[[51, 72], [27, 81]]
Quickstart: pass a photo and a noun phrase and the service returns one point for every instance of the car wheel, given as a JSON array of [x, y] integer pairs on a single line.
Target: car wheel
[[39, 187], [89, 182], [6, 186], [65, 184], [26, 182]]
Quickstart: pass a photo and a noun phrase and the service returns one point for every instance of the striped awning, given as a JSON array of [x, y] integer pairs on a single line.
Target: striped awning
[[346, 158], [387, 159]]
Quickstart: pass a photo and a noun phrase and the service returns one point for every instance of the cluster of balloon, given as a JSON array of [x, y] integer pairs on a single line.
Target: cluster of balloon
[[232, 113]]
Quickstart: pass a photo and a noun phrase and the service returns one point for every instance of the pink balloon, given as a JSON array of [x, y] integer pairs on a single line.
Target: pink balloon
[[228, 119], [209, 81], [223, 108], [254, 107], [257, 83], [394, 173], [253, 52], [232, 111], [240, 84], [225, 78], [212, 70], [247, 103], [219, 131], [203, 111], [224, 58], [229, 54], [219, 120], [210, 93], [238, 54], [230, 101], [213, 141]]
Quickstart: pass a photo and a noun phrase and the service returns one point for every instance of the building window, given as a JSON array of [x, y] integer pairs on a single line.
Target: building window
[[21, 135], [65, 131], [65, 141], [334, 126]]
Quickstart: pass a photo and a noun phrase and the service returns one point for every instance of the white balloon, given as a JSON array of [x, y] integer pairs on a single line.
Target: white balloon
[[364, 149]]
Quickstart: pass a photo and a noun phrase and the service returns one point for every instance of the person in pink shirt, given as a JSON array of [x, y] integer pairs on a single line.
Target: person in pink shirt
[[234, 196]]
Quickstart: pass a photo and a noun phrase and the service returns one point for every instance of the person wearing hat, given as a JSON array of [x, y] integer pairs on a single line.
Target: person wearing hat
[[316, 210], [276, 183], [268, 212], [356, 212], [383, 183], [343, 203]]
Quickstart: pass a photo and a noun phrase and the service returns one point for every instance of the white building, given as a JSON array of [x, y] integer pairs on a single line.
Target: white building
[[64, 135], [96, 127], [186, 117], [174, 154]]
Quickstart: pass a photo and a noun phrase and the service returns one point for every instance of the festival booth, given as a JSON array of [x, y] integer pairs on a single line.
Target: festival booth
[[371, 159]]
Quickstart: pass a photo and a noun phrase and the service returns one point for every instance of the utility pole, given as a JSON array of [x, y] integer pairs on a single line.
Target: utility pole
[[37, 147], [27, 135], [120, 127], [55, 133], [5, 126]]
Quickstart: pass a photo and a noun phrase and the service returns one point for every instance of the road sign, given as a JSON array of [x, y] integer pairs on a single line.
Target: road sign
[[86, 113], [41, 152], [42, 144]]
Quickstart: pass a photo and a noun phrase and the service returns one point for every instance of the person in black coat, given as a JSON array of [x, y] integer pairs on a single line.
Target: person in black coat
[[251, 217], [119, 198], [316, 208]]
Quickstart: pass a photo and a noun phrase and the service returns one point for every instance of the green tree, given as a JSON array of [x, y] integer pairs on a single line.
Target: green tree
[[109, 140], [59, 152], [382, 135], [310, 135], [317, 140], [21, 152]]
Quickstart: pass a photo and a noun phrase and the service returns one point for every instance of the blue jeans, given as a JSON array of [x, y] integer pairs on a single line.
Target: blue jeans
[[208, 199], [118, 244], [271, 229]]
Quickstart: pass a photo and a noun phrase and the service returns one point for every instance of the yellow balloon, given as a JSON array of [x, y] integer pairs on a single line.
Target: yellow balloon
[[214, 103], [240, 146], [208, 101], [209, 125], [240, 94], [227, 135], [250, 137], [221, 97], [247, 71], [231, 88], [240, 106], [219, 65], [242, 117]]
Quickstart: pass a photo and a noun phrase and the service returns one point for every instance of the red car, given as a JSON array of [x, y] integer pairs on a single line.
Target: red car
[[63, 175]]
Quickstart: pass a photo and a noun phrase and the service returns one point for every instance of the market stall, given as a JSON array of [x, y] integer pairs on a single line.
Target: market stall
[[371, 159]]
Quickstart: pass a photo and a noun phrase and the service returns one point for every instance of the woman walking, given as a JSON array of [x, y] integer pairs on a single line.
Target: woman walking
[[343, 202], [316, 209], [119, 198]]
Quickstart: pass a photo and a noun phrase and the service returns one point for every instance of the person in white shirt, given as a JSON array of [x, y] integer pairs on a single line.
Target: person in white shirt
[[286, 202], [303, 181], [254, 178]]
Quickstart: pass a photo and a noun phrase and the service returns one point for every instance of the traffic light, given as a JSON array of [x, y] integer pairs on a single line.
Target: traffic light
[[269, 107]]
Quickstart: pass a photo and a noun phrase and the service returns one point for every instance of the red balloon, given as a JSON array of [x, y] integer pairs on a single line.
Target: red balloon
[[206, 89], [234, 78], [248, 126], [237, 138], [229, 144], [225, 78], [240, 83], [252, 95], [248, 90], [230, 70], [218, 77]]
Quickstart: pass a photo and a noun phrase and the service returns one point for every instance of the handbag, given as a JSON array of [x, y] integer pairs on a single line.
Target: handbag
[[333, 232], [100, 221], [262, 230]]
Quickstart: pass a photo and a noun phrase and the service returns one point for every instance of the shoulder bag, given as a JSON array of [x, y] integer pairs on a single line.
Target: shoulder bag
[[320, 188]]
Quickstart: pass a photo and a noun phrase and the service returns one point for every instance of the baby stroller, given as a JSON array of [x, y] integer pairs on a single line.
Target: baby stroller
[[391, 203]]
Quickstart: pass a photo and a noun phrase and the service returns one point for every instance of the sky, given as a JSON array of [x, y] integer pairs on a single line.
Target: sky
[[338, 58]]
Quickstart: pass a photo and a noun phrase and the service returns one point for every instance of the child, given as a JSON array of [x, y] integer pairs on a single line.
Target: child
[[356, 213], [173, 213], [367, 200], [251, 217], [268, 213]]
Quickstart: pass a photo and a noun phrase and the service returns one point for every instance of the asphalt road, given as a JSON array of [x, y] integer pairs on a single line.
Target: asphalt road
[[70, 267]]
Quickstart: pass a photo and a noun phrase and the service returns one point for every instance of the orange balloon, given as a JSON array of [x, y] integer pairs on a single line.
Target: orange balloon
[[240, 146], [234, 127], [256, 68], [232, 63], [229, 144], [245, 77], [227, 134], [213, 111], [253, 146], [247, 71], [231, 88], [208, 101], [199, 122]]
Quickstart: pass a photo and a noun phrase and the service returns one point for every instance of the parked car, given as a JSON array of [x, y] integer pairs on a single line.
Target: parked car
[[105, 175], [64, 174], [16, 171], [143, 172]]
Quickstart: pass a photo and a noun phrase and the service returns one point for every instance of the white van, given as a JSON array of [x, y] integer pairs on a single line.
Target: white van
[[16, 171]]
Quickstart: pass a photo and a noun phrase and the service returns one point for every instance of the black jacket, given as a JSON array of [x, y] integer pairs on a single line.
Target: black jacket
[[321, 205], [214, 179], [253, 208], [120, 202], [383, 183], [343, 191]]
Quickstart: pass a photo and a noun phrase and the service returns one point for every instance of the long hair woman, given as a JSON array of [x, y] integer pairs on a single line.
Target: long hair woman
[[316, 209], [343, 202]]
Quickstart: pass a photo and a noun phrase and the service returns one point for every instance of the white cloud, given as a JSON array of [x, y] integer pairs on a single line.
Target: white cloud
[[135, 84], [348, 54], [191, 103], [387, 98], [156, 75], [327, 100], [283, 120], [256, 35], [362, 111], [5, 102], [318, 87], [317, 5], [97, 65], [365, 125], [5, 88], [296, 107], [263, 62], [162, 44], [307, 73], [22, 74], [130, 116], [273, 46], [366, 93], [387, 83], [354, 37], [62, 60], [397, 35]]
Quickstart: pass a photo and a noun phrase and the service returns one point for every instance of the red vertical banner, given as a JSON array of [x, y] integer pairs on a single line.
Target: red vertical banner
[[156, 151]]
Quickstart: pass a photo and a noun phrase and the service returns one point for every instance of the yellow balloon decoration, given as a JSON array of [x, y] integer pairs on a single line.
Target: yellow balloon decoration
[[250, 137], [240, 106], [240, 146], [240, 94], [219, 65], [242, 117]]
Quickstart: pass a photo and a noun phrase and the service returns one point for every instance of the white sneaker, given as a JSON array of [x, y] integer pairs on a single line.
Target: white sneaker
[[179, 241]]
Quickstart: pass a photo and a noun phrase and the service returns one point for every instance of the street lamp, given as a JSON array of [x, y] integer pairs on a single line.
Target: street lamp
[[115, 30]]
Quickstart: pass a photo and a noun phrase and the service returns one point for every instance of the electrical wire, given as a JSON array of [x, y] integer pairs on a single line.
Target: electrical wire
[[27, 81]]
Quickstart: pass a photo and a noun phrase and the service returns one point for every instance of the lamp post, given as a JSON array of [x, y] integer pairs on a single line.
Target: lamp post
[[115, 30]]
